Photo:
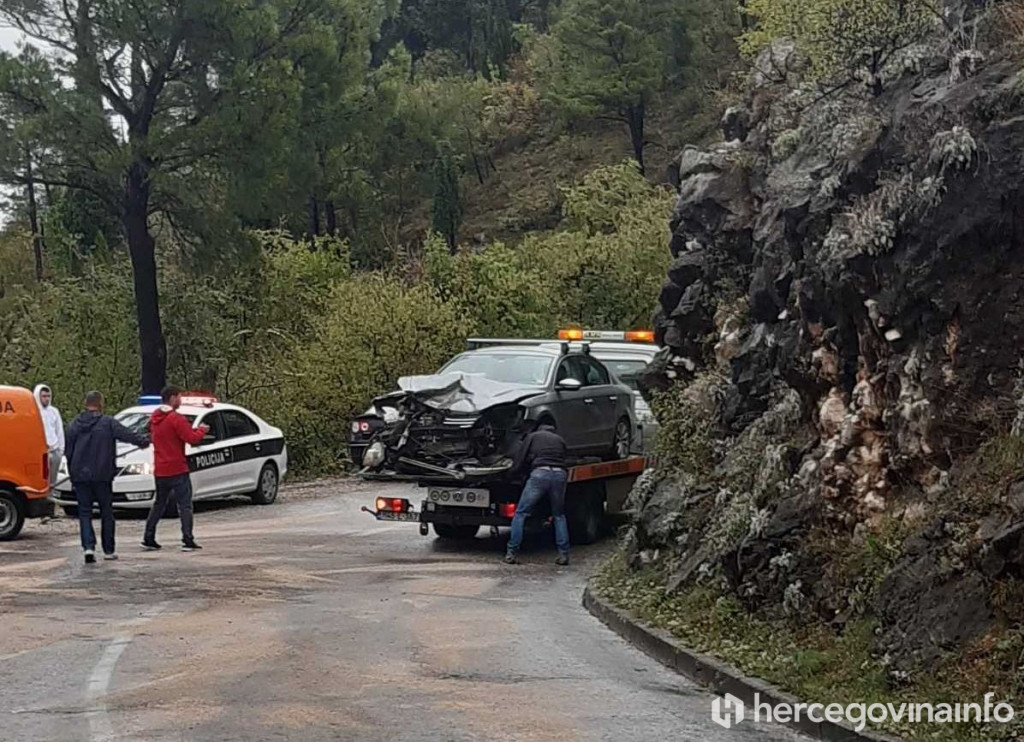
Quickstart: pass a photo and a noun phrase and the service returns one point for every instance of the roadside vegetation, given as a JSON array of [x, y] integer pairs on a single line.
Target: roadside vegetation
[[295, 204], [288, 327], [816, 663]]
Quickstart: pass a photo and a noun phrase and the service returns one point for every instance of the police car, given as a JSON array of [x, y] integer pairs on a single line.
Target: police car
[[241, 455]]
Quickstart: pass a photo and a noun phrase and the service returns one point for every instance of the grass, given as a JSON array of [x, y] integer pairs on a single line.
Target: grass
[[820, 665]]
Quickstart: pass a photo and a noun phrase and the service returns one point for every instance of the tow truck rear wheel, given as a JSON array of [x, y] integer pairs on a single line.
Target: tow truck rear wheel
[[585, 514], [457, 533], [12, 515]]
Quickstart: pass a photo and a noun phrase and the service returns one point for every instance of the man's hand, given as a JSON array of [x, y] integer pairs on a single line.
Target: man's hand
[[204, 428]]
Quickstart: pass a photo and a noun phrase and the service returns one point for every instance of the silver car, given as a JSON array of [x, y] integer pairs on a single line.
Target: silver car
[[465, 421], [627, 361]]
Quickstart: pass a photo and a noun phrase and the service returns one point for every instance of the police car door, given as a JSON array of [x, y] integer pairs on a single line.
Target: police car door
[[247, 451], [210, 460]]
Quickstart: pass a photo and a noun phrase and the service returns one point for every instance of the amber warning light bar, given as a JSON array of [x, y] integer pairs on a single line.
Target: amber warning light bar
[[629, 336]]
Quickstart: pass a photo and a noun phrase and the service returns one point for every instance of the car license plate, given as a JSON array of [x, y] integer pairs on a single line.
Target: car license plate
[[406, 517], [136, 496], [459, 497]]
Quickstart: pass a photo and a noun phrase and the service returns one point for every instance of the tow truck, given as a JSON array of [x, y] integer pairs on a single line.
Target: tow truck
[[596, 490]]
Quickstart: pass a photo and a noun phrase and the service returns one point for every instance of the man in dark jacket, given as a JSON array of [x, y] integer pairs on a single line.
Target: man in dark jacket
[[91, 451], [544, 452]]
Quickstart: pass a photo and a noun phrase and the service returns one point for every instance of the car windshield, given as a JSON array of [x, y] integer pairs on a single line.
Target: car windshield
[[626, 370], [510, 368], [138, 422]]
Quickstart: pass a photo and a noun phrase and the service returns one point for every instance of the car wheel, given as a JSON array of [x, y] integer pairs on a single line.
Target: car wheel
[[266, 487], [70, 510], [12, 515], [622, 444], [457, 533]]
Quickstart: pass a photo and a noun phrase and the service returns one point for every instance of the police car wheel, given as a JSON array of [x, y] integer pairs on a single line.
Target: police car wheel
[[12, 515], [267, 484]]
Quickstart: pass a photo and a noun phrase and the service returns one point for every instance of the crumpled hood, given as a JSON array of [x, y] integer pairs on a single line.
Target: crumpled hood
[[459, 392]]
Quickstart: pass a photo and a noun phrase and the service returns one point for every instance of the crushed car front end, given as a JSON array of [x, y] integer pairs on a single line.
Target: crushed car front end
[[445, 428]]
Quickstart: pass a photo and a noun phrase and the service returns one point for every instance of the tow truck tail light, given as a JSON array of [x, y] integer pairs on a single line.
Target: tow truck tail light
[[507, 509], [46, 466], [392, 504]]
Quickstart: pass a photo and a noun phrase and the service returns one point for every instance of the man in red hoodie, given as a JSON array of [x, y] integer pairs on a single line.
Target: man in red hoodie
[[169, 432]]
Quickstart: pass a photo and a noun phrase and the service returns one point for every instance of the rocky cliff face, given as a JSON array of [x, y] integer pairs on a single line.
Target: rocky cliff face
[[846, 297]]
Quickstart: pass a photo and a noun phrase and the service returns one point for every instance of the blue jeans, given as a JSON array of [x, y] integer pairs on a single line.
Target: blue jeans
[[87, 494], [180, 488], [542, 483]]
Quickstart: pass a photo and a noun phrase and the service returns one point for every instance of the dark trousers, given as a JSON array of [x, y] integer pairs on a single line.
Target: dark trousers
[[180, 489], [89, 494], [542, 483]]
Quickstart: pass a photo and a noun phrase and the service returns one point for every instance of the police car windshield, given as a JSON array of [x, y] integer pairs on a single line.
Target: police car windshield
[[626, 370], [138, 422], [510, 368]]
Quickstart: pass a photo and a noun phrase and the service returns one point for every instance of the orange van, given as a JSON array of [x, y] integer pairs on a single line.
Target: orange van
[[24, 462]]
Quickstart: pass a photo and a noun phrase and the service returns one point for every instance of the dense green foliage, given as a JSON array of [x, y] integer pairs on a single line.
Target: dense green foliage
[[294, 332], [842, 40], [171, 130]]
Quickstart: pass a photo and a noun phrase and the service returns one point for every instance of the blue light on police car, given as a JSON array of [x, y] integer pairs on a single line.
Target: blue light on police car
[[149, 399]]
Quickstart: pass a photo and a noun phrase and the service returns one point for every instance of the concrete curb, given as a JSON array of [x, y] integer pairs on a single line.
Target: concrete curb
[[713, 674]]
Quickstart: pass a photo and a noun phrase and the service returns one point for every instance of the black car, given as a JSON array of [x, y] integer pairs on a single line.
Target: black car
[[465, 421]]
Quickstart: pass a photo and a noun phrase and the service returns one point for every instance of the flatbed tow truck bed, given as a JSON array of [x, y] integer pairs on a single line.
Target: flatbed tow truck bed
[[594, 491]]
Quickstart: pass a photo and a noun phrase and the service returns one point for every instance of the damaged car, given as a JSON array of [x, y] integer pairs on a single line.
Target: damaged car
[[465, 422]]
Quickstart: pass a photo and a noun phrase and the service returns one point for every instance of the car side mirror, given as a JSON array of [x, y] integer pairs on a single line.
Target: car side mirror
[[569, 385]]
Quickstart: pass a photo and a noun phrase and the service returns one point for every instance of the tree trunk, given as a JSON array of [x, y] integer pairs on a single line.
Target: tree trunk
[[33, 215], [135, 220], [314, 218], [332, 218], [635, 119]]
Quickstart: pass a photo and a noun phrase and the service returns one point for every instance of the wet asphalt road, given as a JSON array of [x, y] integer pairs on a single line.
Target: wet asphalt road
[[308, 620]]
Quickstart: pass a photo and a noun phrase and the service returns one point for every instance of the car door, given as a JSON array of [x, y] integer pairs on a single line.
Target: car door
[[209, 460], [243, 435], [604, 402], [571, 411]]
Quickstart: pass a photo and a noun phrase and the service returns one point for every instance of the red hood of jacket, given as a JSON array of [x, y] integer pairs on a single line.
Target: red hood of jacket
[[170, 431]]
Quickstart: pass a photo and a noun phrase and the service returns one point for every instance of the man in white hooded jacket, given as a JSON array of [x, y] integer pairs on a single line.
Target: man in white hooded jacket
[[54, 427]]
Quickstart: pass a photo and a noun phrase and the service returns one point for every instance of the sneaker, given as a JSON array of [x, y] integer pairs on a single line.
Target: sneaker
[[151, 545], [511, 559], [562, 560], [190, 546], [90, 556], [110, 557]]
